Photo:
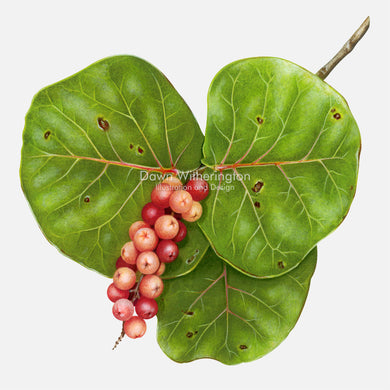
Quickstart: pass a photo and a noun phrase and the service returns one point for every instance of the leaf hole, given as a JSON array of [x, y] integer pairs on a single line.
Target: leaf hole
[[259, 120], [193, 257], [257, 204], [337, 116], [87, 199], [281, 264], [189, 334], [243, 346], [103, 124], [258, 186], [47, 134]]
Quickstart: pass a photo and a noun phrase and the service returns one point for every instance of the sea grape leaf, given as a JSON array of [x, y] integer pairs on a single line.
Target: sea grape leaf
[[87, 143], [282, 149], [191, 251], [218, 312]]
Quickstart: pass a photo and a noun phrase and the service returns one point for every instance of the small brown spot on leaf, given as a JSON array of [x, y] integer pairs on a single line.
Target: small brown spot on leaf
[[260, 120], [196, 332], [333, 110], [258, 186], [103, 124], [337, 116], [140, 150], [351, 188], [189, 313], [257, 204], [189, 334], [243, 346], [86, 199], [281, 264], [47, 134]]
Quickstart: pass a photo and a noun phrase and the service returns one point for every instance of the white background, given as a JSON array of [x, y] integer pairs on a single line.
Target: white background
[[56, 324]]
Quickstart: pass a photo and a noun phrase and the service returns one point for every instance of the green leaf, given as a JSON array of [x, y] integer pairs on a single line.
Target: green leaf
[[86, 142], [191, 251], [283, 151], [219, 313]]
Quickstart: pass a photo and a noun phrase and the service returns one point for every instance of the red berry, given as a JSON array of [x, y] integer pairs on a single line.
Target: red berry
[[135, 327], [168, 211], [145, 240], [151, 212], [121, 263], [198, 188], [148, 262], [124, 278], [180, 201], [161, 194], [146, 308], [114, 293], [167, 251], [135, 227], [123, 309], [129, 253], [166, 227], [182, 232], [151, 286]]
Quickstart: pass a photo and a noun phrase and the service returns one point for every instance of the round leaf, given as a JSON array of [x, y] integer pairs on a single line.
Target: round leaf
[[217, 312], [283, 150], [88, 145]]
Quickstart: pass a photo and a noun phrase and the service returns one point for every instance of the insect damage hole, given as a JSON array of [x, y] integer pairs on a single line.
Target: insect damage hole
[[103, 124], [337, 116], [259, 120], [189, 334], [87, 199], [257, 204], [281, 264], [140, 150], [243, 346], [189, 313], [258, 186], [47, 134]]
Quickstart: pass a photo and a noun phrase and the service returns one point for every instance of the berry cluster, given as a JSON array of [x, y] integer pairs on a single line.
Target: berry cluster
[[136, 282]]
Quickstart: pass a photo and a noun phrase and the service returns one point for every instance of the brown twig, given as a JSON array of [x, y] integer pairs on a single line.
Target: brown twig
[[120, 338], [345, 50]]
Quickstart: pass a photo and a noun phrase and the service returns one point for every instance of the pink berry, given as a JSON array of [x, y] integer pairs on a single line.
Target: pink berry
[[135, 327], [166, 227], [124, 278], [151, 286], [148, 262], [129, 253], [145, 240], [135, 227], [180, 201], [123, 309]]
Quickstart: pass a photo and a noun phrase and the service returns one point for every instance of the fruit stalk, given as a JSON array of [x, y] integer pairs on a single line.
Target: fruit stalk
[[345, 50]]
